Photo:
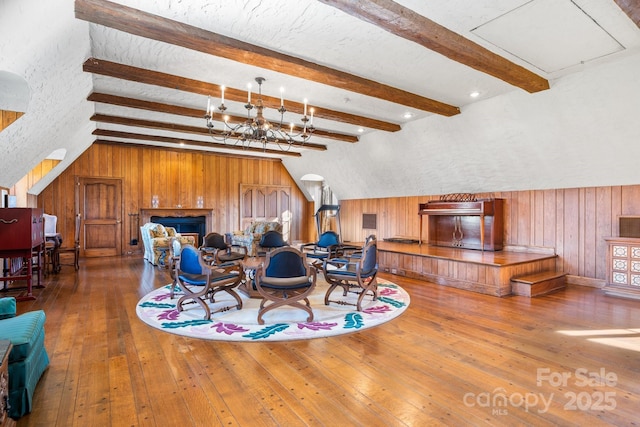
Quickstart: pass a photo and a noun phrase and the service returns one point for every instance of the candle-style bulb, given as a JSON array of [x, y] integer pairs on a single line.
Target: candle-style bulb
[[282, 97], [305, 107], [249, 93]]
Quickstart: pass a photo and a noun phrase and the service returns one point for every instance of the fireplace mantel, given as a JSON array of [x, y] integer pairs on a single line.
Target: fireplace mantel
[[147, 213]]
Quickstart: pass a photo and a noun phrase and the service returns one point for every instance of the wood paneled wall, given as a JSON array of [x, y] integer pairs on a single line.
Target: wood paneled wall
[[177, 178], [572, 221], [8, 117]]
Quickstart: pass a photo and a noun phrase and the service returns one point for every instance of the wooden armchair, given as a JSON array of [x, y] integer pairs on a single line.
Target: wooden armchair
[[200, 281], [270, 240], [328, 246], [215, 246], [285, 278], [356, 274]]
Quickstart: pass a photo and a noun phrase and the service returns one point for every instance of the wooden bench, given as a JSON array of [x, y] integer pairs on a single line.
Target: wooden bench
[[536, 284]]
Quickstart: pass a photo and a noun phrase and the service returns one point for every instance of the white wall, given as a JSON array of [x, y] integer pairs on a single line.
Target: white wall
[[584, 131], [43, 43]]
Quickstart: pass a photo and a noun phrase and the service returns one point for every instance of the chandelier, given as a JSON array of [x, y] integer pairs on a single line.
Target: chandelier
[[258, 129]]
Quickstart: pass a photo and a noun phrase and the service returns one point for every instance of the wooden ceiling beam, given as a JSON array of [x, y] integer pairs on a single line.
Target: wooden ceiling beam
[[188, 143], [127, 121], [140, 23], [631, 8], [406, 23], [193, 112], [141, 75], [243, 155]]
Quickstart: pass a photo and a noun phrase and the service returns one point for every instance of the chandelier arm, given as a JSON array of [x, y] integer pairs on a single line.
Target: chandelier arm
[[258, 129]]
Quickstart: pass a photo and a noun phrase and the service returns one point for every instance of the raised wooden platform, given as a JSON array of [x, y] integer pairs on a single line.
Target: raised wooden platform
[[486, 272], [536, 284]]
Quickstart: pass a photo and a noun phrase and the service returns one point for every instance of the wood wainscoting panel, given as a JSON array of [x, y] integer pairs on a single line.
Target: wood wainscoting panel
[[572, 222]]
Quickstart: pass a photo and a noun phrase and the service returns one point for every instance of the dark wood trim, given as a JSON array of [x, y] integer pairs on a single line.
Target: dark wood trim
[[193, 112], [631, 8], [181, 149], [184, 144], [137, 22], [408, 24]]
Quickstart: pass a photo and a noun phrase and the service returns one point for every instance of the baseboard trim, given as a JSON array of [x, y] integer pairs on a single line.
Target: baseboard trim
[[585, 281]]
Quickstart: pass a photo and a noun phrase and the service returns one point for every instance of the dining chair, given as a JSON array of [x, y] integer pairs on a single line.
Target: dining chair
[[72, 248]]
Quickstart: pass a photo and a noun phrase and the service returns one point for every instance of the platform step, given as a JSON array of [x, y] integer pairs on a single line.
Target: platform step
[[535, 284]]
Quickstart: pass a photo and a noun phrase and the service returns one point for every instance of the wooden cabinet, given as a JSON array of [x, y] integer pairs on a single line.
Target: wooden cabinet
[[623, 267], [266, 203], [21, 237], [474, 224], [21, 228]]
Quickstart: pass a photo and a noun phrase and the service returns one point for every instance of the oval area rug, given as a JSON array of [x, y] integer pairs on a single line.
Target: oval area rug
[[159, 311]]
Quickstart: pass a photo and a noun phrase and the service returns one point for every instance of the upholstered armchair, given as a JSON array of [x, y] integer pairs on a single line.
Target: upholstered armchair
[[250, 237], [157, 238], [28, 358]]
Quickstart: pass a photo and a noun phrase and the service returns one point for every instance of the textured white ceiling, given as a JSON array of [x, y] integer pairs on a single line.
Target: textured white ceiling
[[504, 139]]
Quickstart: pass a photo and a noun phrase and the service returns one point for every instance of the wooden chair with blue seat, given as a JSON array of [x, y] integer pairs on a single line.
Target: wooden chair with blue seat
[[285, 279], [199, 280], [356, 274], [216, 246], [327, 246], [270, 240]]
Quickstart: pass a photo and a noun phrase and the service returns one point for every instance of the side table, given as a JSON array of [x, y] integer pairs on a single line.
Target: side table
[[5, 349]]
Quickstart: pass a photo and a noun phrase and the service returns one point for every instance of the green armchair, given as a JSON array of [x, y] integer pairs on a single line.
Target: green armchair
[[28, 358]]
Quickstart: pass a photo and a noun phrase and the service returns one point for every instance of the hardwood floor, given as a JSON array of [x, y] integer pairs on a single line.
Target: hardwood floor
[[454, 358]]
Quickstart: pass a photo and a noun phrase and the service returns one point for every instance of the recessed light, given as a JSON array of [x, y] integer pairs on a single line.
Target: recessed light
[[407, 115], [474, 94], [360, 130]]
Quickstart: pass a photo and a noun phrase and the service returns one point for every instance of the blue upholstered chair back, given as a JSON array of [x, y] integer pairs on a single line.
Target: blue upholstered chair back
[[214, 240], [328, 238], [272, 239], [370, 262], [286, 264], [190, 260]]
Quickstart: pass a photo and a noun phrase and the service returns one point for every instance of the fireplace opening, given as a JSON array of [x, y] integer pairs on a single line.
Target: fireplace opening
[[185, 224]]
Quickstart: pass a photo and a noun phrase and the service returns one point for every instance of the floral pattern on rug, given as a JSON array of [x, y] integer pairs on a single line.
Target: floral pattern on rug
[[158, 310]]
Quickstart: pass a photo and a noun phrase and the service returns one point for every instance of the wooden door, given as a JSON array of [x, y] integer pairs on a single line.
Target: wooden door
[[266, 203], [100, 201]]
